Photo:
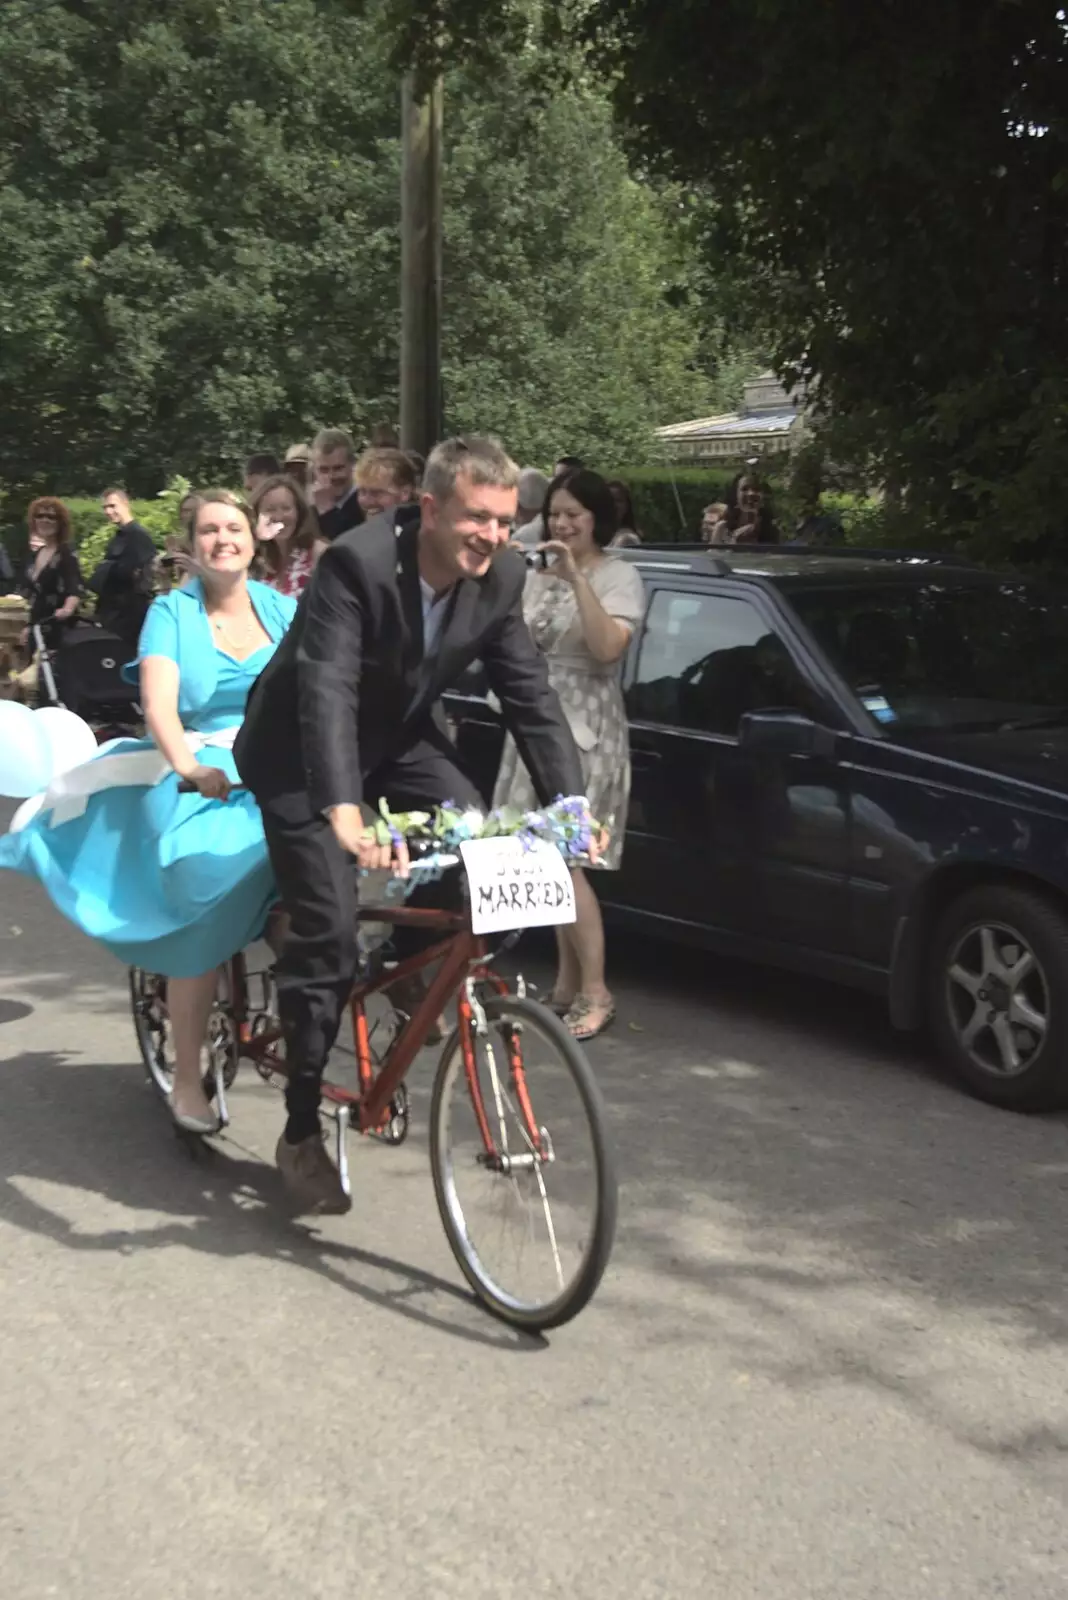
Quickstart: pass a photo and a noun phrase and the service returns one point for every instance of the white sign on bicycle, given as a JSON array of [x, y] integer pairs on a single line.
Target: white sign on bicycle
[[517, 886]]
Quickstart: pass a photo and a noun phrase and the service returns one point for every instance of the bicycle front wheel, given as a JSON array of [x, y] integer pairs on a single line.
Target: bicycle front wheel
[[524, 1172]]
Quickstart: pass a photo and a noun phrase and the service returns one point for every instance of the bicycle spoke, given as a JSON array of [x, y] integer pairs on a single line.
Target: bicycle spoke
[[549, 1225]]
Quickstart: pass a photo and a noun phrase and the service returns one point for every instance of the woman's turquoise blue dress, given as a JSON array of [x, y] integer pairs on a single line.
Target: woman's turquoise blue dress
[[170, 882]]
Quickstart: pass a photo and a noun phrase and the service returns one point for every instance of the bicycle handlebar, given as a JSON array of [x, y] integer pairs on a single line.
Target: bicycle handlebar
[[427, 854]]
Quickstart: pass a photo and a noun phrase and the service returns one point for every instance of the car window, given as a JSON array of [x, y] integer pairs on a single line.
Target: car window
[[940, 654], [705, 659]]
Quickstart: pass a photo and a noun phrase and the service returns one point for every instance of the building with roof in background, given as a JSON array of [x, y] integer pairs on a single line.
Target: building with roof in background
[[770, 423]]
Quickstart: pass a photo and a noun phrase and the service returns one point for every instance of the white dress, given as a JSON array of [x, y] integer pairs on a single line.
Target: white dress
[[589, 692]]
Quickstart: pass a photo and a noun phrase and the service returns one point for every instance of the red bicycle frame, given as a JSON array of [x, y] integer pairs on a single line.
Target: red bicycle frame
[[462, 955]]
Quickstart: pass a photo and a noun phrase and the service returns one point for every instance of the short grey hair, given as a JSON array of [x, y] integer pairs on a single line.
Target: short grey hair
[[480, 458], [327, 440], [533, 487]]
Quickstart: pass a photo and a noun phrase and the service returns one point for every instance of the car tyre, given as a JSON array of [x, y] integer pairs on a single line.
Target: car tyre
[[998, 996]]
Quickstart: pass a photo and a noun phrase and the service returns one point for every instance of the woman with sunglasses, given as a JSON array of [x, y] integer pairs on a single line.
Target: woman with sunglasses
[[53, 579]]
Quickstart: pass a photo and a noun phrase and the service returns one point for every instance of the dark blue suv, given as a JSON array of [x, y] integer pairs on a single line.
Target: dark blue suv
[[855, 766]]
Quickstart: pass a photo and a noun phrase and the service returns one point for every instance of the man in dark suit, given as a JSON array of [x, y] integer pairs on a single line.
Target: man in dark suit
[[122, 582], [343, 716]]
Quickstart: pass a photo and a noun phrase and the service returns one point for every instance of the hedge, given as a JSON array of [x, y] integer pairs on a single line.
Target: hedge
[[92, 532], [658, 492]]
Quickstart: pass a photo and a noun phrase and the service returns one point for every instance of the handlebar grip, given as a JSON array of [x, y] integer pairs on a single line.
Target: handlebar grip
[[187, 786]]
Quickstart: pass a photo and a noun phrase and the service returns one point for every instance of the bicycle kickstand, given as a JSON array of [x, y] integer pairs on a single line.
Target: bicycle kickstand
[[220, 1100], [342, 1119]]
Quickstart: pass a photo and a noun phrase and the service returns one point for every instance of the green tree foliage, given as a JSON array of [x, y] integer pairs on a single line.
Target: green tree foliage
[[890, 184], [199, 254], [197, 208], [562, 276]]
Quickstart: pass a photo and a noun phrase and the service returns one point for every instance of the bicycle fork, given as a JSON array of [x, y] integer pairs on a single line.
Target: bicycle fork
[[475, 1032]]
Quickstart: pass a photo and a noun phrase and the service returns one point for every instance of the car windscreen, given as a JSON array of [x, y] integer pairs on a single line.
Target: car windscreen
[[946, 655]]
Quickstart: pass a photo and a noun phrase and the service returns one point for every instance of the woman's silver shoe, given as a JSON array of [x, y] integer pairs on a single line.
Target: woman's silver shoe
[[205, 1126]]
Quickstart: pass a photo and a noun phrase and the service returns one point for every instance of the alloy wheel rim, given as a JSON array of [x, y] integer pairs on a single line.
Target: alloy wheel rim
[[998, 999]]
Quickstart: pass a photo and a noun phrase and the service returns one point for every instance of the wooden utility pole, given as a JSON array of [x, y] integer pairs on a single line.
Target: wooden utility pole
[[420, 374]]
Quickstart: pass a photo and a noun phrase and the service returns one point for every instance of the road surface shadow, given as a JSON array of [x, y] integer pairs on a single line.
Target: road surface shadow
[[90, 1128], [788, 1160]]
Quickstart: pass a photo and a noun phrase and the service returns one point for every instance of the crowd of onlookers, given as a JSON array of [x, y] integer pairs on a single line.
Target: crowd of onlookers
[[299, 503]]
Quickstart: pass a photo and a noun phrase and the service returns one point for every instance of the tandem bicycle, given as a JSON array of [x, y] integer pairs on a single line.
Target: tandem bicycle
[[522, 1164]]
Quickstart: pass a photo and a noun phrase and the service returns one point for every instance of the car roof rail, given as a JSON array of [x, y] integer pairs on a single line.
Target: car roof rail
[[697, 559], [848, 552]]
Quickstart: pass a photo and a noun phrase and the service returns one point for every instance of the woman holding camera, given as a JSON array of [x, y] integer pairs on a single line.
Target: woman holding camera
[[581, 608]]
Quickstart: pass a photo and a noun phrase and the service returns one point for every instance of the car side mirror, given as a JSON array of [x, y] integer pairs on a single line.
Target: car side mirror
[[783, 733]]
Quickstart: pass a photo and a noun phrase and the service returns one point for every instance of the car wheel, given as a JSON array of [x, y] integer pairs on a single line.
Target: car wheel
[[998, 996]]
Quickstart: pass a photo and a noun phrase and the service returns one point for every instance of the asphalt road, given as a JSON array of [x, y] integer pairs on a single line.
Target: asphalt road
[[828, 1359]]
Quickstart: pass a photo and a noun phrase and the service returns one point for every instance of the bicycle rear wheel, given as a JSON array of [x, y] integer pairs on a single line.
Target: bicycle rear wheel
[[152, 1025], [524, 1172]]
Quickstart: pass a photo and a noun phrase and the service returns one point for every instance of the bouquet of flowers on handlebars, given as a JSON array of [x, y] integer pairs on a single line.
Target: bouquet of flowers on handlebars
[[567, 824]]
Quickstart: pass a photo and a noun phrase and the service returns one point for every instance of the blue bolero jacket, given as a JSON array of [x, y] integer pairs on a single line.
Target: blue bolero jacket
[[177, 626]]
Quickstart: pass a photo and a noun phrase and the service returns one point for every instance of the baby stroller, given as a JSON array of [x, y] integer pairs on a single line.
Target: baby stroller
[[85, 675]]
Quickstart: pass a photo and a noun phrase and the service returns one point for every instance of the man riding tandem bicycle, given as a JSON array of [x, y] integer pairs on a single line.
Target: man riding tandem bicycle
[[521, 1161]]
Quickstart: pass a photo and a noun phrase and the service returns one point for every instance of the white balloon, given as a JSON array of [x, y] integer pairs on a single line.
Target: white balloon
[[70, 741], [25, 813], [25, 752]]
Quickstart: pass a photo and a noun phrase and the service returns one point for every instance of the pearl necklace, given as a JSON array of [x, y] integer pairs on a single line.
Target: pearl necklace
[[245, 639]]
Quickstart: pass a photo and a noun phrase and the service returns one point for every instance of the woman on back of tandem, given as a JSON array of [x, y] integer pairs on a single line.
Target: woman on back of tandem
[[174, 882]]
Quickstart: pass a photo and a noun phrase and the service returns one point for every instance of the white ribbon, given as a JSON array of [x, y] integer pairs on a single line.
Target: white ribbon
[[67, 796]]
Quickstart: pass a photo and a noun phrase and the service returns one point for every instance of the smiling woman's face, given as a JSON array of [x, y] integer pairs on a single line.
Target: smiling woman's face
[[279, 505], [570, 522], [750, 496], [222, 539]]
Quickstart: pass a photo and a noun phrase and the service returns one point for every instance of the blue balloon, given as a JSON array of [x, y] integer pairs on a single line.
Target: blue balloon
[[25, 752]]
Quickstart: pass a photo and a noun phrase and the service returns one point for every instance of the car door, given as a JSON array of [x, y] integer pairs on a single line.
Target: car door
[[719, 837]]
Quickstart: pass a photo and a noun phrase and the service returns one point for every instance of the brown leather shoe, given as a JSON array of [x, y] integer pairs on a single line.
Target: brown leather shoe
[[408, 995], [311, 1177]]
